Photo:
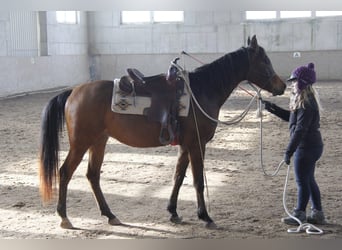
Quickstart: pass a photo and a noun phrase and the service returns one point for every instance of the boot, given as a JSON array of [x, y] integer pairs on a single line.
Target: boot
[[316, 217], [301, 215]]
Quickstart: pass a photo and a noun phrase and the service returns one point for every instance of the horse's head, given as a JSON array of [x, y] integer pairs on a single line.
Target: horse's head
[[261, 70]]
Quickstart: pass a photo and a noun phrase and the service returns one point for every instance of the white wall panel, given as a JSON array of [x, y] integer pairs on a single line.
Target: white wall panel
[[23, 34]]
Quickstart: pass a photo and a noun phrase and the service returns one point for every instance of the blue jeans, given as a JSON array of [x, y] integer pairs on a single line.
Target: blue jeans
[[304, 167]]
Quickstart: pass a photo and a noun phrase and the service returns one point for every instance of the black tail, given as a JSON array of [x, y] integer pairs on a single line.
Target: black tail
[[52, 123]]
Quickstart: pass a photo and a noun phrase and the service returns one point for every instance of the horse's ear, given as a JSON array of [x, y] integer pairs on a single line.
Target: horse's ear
[[253, 43], [248, 41]]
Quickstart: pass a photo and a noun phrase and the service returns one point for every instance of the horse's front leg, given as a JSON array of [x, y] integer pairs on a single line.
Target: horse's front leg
[[182, 164], [197, 158]]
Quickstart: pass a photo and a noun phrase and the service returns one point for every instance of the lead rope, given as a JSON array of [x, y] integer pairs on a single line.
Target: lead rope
[[307, 227], [261, 143], [202, 154]]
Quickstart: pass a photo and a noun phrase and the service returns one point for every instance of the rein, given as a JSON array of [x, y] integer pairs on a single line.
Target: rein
[[307, 227], [184, 74]]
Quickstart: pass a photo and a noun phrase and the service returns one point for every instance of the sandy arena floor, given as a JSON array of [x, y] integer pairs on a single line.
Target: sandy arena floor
[[137, 182]]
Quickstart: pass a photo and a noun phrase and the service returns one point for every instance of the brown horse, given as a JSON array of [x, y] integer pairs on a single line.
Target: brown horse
[[90, 121]]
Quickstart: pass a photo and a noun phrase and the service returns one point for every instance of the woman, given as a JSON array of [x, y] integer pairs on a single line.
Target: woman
[[305, 142]]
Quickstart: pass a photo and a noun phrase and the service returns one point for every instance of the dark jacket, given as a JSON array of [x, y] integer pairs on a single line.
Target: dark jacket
[[303, 124]]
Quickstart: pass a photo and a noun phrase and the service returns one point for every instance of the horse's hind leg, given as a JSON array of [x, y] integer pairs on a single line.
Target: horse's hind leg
[[182, 164], [65, 173], [96, 154]]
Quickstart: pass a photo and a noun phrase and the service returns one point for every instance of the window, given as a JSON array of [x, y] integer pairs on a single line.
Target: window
[[69, 17], [255, 15], [328, 13], [135, 16], [129, 17], [294, 14], [168, 16], [276, 15]]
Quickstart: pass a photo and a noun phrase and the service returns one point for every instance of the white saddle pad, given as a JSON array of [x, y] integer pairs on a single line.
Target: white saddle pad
[[124, 103]]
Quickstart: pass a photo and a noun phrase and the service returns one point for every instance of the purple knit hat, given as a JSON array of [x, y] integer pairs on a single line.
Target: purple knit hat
[[305, 75]]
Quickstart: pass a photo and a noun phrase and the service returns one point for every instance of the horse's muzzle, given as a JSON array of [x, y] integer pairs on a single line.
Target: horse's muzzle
[[279, 86]]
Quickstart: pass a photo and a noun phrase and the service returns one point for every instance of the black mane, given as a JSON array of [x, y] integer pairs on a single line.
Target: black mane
[[221, 76]]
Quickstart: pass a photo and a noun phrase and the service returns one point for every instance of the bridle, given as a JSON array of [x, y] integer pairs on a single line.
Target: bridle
[[268, 75], [184, 75]]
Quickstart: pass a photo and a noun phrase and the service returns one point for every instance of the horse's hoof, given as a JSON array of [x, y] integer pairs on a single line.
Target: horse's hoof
[[66, 224], [211, 225], [176, 219], [114, 222]]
